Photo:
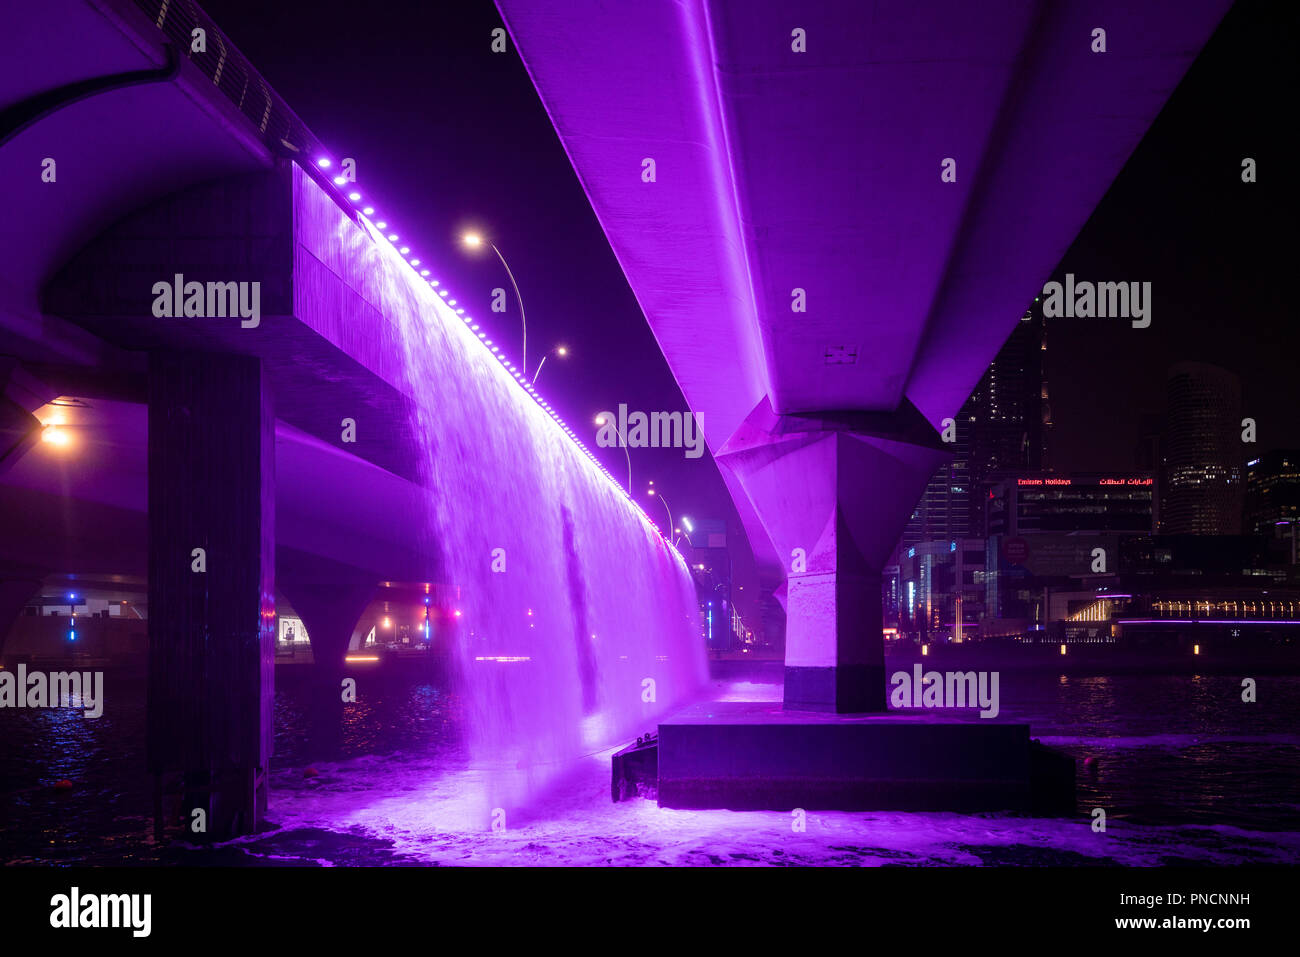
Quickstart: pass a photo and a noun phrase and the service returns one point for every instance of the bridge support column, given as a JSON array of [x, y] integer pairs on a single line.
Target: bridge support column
[[211, 586], [16, 590], [833, 492], [330, 608]]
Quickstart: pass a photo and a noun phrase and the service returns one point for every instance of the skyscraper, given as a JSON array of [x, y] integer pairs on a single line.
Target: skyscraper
[[945, 509], [1002, 427], [1272, 492], [1202, 452], [1012, 416]]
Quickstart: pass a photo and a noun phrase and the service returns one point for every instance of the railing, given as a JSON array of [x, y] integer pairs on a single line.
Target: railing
[[276, 124]]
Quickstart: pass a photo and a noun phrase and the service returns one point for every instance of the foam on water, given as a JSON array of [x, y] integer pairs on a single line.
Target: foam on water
[[573, 822], [1188, 797]]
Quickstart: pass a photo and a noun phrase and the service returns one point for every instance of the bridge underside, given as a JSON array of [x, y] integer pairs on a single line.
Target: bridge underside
[[857, 202]]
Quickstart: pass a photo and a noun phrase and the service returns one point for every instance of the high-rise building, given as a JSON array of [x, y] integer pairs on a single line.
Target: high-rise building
[[1073, 503], [1201, 451], [1012, 415], [937, 590], [945, 509], [1273, 496], [1002, 427]]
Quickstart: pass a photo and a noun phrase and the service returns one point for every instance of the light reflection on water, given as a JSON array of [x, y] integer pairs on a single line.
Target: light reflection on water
[[1188, 773]]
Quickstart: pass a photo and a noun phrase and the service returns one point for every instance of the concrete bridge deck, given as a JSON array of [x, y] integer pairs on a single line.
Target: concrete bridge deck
[[230, 460]]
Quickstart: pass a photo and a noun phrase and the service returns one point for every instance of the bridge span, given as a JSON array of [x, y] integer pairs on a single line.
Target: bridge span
[[833, 214], [351, 429]]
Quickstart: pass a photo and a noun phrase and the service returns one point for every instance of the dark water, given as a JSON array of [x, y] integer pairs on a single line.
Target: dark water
[[1182, 753], [1173, 750], [106, 816]]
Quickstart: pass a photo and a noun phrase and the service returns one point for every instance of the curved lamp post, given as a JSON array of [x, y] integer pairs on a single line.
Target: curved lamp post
[[560, 351], [600, 420], [659, 495], [474, 240]]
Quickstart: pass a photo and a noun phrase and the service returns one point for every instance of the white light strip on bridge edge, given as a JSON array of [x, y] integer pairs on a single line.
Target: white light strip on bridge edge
[[382, 229]]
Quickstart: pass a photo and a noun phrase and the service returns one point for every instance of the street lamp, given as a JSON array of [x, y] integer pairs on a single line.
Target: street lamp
[[686, 523], [474, 241], [651, 492], [600, 420], [560, 351], [54, 435]]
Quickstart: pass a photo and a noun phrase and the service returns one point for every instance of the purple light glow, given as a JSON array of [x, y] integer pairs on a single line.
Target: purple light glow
[[561, 697], [495, 350], [1207, 621]]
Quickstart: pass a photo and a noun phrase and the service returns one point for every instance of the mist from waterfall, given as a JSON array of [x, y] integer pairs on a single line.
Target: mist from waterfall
[[578, 625]]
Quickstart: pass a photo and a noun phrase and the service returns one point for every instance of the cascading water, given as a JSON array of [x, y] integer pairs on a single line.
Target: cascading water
[[578, 624]]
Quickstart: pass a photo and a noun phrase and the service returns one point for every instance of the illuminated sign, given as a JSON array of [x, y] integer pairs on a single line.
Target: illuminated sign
[[1139, 482]]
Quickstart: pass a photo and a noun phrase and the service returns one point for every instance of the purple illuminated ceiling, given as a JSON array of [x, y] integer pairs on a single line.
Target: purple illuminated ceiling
[[115, 151], [778, 170]]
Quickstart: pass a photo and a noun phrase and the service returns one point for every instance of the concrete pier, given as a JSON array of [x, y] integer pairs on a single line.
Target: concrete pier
[[211, 585], [833, 493], [758, 756]]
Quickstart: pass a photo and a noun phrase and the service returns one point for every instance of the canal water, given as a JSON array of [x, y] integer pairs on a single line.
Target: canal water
[[1186, 772]]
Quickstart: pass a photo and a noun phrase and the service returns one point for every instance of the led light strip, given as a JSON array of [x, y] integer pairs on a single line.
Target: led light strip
[[382, 228]]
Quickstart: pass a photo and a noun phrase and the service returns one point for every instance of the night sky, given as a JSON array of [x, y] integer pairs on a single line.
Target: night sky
[[1219, 253], [449, 136]]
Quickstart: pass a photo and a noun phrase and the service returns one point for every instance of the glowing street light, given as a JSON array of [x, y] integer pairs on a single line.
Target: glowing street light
[[686, 523], [55, 436], [600, 420], [560, 351], [474, 241], [654, 493]]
